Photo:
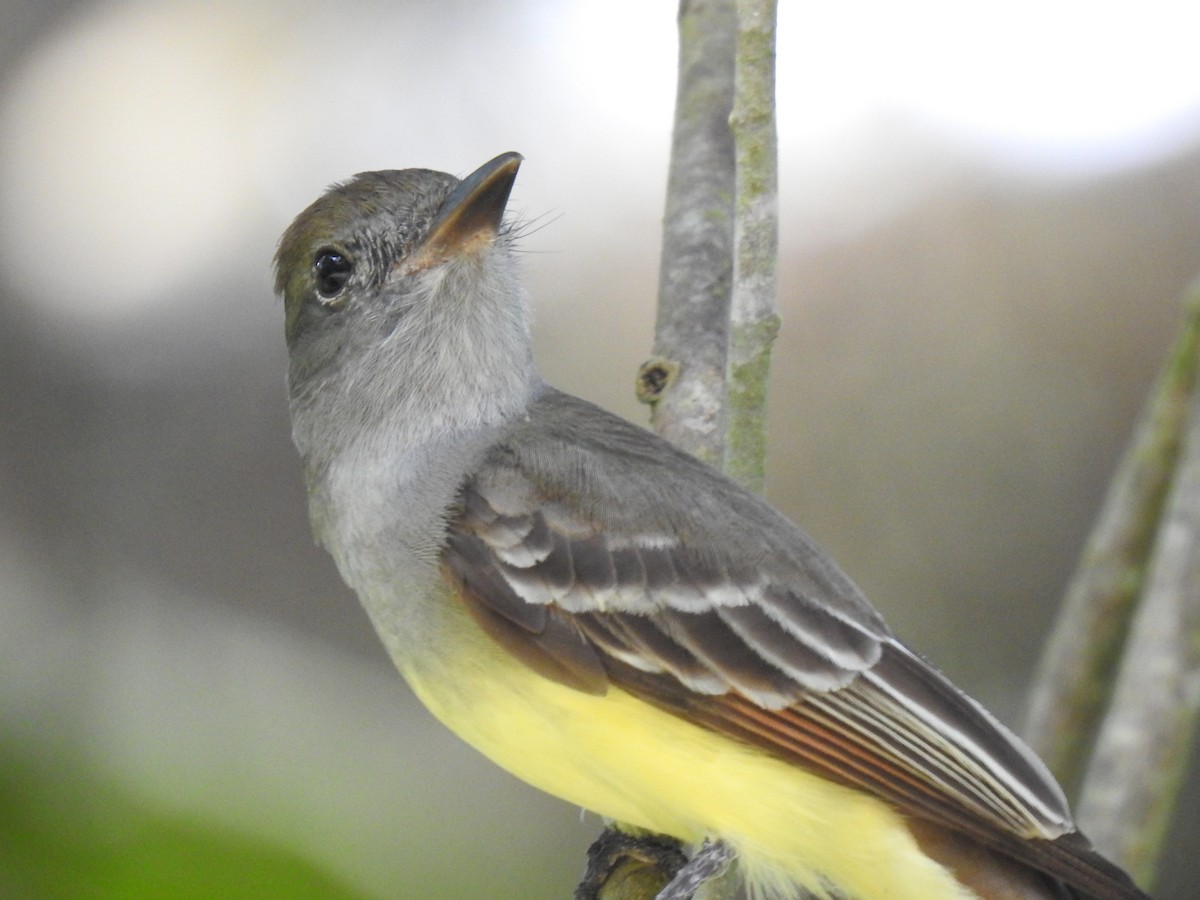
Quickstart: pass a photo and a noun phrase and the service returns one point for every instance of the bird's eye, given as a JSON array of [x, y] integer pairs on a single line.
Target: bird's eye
[[332, 271]]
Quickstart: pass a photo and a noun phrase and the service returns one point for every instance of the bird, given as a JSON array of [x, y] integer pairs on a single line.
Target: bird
[[605, 616]]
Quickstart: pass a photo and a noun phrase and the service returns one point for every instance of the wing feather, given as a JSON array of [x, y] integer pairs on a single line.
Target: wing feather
[[603, 556]]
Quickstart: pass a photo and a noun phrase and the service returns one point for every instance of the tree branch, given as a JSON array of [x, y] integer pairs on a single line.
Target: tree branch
[[753, 321], [1142, 750], [1075, 677], [685, 381]]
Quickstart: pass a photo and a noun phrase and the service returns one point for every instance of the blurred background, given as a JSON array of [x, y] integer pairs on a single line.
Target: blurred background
[[989, 215]]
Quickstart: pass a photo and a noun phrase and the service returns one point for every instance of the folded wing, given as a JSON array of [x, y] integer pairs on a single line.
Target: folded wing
[[606, 557]]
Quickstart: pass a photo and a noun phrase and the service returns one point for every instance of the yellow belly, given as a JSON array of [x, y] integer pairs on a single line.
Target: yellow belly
[[629, 761]]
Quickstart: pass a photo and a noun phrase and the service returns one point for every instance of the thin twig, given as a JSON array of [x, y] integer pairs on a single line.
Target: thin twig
[[1075, 678], [685, 381], [753, 321], [1143, 746]]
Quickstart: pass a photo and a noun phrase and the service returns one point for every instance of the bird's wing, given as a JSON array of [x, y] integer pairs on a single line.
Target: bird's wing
[[599, 555]]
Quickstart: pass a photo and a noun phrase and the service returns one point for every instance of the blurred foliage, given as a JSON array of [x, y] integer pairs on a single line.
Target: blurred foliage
[[67, 832]]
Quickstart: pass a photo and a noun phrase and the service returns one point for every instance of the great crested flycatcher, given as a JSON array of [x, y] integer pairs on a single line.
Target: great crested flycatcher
[[607, 617]]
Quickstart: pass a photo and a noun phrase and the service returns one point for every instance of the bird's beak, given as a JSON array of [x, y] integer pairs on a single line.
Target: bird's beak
[[470, 217]]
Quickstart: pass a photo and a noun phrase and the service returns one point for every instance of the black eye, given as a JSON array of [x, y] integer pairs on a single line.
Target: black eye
[[332, 270]]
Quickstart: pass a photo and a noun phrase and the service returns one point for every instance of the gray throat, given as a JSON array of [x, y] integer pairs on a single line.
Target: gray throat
[[383, 514]]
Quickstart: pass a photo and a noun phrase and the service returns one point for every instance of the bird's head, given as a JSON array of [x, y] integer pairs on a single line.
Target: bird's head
[[404, 309]]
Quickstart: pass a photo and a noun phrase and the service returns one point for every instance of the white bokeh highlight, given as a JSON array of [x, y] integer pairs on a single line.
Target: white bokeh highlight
[[143, 143]]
